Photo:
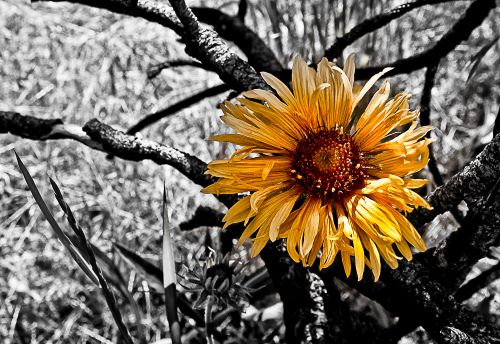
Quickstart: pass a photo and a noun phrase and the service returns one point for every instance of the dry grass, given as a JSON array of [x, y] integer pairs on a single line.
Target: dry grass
[[77, 63]]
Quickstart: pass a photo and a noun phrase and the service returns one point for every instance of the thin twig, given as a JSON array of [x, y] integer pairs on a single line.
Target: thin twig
[[155, 70], [180, 105]]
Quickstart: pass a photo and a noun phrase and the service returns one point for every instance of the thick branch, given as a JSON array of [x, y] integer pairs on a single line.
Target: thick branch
[[150, 10], [477, 178], [233, 29], [479, 231], [182, 104], [412, 293], [205, 45], [461, 30], [104, 138], [301, 293], [369, 25]]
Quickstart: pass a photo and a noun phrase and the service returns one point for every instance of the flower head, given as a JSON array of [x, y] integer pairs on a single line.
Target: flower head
[[219, 277], [320, 177]]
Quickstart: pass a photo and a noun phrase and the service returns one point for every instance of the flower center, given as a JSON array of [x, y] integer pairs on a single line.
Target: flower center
[[328, 164], [222, 272]]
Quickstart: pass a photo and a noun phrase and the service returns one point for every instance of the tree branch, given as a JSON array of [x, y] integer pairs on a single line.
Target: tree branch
[[207, 46], [233, 29], [102, 137], [460, 31], [301, 295], [411, 292], [369, 25], [477, 178], [150, 10], [180, 105], [463, 248], [242, 10], [425, 118], [466, 291], [153, 71], [203, 216]]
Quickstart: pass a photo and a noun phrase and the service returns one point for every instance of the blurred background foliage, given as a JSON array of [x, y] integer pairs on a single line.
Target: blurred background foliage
[[76, 63]]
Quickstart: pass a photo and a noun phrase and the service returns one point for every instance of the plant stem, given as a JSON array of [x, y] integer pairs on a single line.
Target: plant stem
[[208, 319]]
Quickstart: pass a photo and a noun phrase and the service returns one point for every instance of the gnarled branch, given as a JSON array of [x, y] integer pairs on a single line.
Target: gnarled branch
[[102, 137]]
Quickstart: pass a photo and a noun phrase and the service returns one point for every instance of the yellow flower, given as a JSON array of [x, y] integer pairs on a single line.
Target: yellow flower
[[319, 177]]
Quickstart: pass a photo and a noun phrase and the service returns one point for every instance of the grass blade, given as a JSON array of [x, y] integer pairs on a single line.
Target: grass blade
[[82, 263], [169, 275], [154, 276], [87, 247], [146, 269]]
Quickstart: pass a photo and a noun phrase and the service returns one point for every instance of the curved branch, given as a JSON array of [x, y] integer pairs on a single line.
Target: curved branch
[[182, 104], [369, 25], [460, 31]]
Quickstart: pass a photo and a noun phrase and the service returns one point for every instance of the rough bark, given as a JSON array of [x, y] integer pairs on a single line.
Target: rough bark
[[479, 231], [477, 178], [301, 293], [102, 137], [233, 29]]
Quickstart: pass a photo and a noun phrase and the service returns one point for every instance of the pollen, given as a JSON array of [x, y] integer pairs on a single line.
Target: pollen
[[328, 164]]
